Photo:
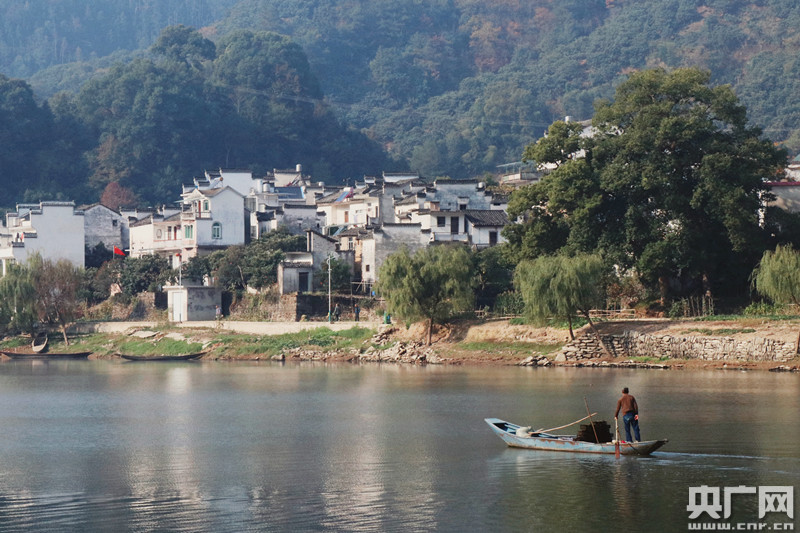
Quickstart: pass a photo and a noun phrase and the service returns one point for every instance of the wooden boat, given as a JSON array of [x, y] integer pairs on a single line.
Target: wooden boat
[[182, 357], [565, 443], [45, 356], [39, 343]]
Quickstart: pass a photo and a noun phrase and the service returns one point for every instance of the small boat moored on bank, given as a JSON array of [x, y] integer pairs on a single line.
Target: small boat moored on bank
[[52, 356], [182, 357], [521, 437], [39, 343]]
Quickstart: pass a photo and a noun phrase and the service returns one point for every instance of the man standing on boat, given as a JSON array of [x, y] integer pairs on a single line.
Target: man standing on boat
[[630, 414]]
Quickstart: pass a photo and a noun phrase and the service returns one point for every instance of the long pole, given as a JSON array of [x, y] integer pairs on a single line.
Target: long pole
[[616, 438], [596, 438], [542, 430], [330, 317]]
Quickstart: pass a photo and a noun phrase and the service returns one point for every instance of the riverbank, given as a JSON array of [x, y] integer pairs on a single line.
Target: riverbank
[[494, 342]]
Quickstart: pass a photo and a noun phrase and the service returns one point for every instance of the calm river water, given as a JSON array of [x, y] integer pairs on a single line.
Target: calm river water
[[218, 447]]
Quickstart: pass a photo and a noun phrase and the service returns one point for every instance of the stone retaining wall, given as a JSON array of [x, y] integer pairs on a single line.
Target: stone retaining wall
[[635, 344]]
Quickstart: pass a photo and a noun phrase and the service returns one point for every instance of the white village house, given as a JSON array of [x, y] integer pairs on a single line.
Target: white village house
[[54, 230], [210, 219]]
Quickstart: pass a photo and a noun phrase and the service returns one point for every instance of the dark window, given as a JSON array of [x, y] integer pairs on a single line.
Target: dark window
[[303, 282], [441, 221], [492, 238], [454, 225]]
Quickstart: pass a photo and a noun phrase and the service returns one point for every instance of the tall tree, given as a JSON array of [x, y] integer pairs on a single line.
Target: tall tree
[[670, 183], [155, 123], [434, 284], [183, 44], [57, 286], [562, 287], [777, 276], [18, 300], [341, 276], [38, 160], [138, 274]]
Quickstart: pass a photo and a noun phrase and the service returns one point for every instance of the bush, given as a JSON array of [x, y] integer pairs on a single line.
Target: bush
[[676, 310], [765, 309], [509, 303]]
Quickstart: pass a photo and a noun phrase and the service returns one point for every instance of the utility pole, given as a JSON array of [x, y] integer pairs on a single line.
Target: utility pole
[[330, 316]]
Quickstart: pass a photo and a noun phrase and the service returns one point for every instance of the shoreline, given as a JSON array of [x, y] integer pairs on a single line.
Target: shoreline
[[473, 343]]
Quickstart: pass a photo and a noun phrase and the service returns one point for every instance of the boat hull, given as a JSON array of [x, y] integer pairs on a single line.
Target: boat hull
[[185, 357], [39, 344], [566, 443], [46, 356]]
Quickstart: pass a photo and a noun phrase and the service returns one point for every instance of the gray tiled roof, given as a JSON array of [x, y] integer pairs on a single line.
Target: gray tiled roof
[[487, 217]]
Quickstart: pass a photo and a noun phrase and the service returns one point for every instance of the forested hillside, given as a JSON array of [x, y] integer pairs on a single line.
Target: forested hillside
[[140, 129], [447, 87], [36, 34], [459, 86]]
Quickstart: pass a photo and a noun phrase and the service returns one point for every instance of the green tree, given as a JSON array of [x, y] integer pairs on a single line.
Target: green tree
[[57, 292], [562, 143], [255, 264], [262, 257], [97, 286], [562, 287], [777, 276], [434, 284], [493, 275], [183, 44], [18, 300], [670, 185], [341, 276], [226, 266], [35, 146], [139, 274], [268, 77], [196, 268]]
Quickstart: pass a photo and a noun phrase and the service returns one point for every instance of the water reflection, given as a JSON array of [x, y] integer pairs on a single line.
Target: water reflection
[[233, 447]]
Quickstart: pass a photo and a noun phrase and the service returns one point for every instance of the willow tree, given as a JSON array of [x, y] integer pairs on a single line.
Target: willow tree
[[562, 287], [434, 284], [777, 277], [18, 300]]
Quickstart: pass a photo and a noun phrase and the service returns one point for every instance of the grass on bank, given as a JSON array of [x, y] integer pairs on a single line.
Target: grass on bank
[[223, 344], [723, 332], [102, 344], [514, 348], [239, 345], [163, 346], [97, 342]]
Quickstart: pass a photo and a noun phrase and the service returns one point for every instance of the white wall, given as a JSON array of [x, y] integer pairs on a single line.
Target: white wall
[[227, 208], [55, 231]]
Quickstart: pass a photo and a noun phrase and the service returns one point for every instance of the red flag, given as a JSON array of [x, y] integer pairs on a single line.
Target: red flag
[[118, 251]]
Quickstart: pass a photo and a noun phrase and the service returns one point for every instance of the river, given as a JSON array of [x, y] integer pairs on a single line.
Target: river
[[218, 447]]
